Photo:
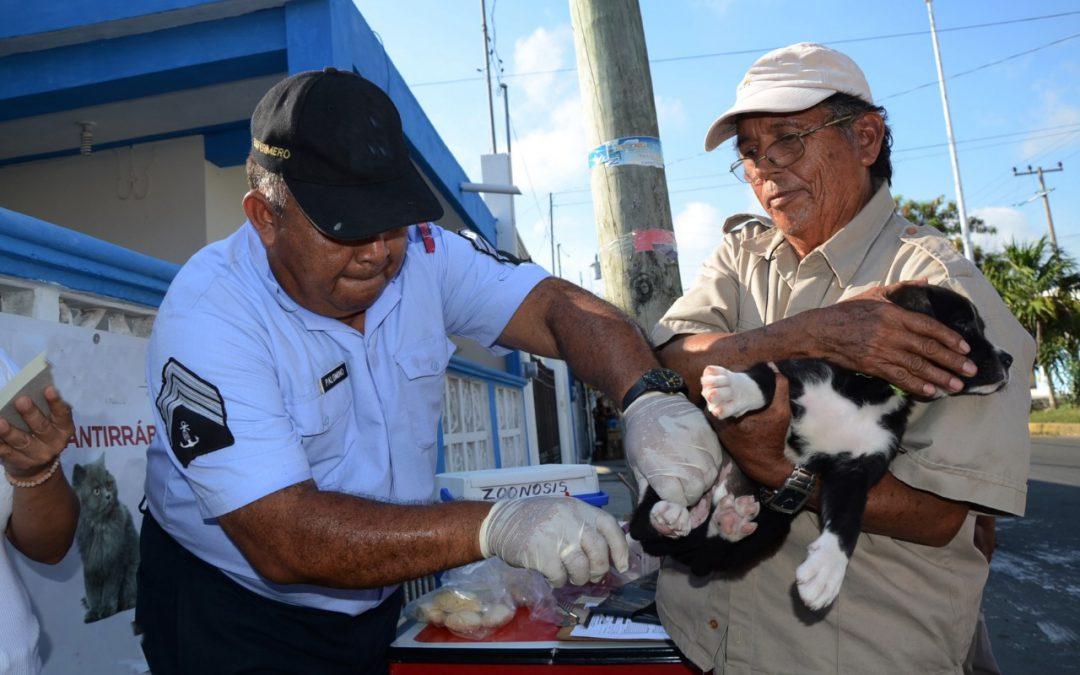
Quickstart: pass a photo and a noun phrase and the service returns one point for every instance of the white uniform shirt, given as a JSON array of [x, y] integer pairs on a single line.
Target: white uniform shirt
[[254, 393]]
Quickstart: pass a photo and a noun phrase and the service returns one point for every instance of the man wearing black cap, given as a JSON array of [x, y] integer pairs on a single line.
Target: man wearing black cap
[[297, 372]]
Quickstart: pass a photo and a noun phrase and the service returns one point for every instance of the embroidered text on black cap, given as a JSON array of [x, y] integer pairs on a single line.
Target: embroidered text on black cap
[[193, 412]]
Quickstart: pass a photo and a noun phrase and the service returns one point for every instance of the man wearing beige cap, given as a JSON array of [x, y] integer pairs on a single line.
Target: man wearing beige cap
[[808, 281]]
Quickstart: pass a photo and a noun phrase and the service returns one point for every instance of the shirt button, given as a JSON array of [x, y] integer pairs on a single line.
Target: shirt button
[[325, 421], [434, 364], [714, 624]]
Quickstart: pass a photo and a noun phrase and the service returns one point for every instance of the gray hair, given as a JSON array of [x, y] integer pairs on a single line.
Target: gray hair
[[845, 104], [269, 184]]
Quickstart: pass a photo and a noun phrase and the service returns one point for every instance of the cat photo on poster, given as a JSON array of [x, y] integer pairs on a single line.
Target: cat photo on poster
[[107, 540]]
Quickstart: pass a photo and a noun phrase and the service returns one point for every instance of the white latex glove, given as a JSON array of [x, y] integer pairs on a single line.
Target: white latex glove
[[670, 446], [560, 537]]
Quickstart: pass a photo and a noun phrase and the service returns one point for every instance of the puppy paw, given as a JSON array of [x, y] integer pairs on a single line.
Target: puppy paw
[[732, 518], [699, 513], [729, 394], [821, 574], [670, 519]]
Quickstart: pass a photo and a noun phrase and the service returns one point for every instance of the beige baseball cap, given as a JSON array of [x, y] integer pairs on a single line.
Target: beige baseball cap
[[790, 79]]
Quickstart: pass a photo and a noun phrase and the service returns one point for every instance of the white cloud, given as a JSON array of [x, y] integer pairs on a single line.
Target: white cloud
[[698, 231], [1055, 113], [553, 155], [543, 50], [1011, 223]]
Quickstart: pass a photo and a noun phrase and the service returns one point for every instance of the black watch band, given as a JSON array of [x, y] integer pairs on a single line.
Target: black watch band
[[792, 496], [663, 380]]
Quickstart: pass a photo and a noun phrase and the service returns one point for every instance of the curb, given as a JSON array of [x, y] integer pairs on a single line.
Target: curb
[[1053, 429]]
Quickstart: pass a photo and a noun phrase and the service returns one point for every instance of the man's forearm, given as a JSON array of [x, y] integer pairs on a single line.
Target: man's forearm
[[301, 535], [893, 508], [600, 344], [690, 354], [43, 519]]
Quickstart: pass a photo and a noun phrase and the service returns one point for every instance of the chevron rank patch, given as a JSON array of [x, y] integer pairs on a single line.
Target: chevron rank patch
[[193, 412]]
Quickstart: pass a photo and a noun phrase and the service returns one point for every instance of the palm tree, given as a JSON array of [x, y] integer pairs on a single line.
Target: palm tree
[[1041, 287]]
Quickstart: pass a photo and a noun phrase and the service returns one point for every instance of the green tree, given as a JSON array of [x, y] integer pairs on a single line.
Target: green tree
[[943, 216], [1041, 287]]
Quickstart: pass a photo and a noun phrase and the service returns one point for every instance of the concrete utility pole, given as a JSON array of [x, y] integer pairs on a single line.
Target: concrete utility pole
[[551, 227], [629, 189], [1045, 195], [961, 209], [487, 71]]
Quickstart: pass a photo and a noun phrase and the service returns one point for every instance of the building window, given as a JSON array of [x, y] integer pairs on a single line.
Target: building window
[[467, 432], [510, 409]]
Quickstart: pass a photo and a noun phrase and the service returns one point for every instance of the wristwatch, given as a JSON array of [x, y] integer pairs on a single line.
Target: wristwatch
[[793, 494], [658, 379]]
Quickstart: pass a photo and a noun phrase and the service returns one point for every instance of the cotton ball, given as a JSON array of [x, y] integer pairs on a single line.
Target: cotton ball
[[464, 622], [431, 613], [497, 615], [455, 600]]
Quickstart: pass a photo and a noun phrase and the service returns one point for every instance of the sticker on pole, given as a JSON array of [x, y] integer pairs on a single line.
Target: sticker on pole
[[659, 241], [628, 151]]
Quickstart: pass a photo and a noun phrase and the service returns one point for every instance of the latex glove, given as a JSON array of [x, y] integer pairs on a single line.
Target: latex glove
[[560, 537], [670, 446]]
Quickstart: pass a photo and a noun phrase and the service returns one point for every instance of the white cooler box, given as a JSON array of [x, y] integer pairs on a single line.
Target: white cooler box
[[577, 480]]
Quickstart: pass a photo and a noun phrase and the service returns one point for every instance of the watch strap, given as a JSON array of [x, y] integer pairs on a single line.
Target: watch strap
[[792, 496], [643, 385]]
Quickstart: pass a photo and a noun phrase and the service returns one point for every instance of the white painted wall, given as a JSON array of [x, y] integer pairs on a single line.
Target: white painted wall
[[225, 190], [149, 197]]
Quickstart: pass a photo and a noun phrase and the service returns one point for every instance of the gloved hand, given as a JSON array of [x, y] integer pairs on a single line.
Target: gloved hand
[[670, 446], [560, 537]]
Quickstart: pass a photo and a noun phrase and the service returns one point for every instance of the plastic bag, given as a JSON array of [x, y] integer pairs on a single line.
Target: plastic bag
[[476, 600]]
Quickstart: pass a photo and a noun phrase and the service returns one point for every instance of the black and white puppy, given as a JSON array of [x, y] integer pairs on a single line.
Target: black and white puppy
[[845, 428]]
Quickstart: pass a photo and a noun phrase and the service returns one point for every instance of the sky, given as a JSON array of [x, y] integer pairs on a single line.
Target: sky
[[1024, 110]]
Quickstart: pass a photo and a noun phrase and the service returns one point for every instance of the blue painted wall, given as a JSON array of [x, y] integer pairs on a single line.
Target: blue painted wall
[[27, 18], [34, 249], [302, 35]]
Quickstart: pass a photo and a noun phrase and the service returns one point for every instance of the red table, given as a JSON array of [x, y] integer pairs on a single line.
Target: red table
[[526, 647]]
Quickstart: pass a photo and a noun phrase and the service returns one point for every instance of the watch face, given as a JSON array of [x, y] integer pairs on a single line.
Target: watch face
[[663, 379]]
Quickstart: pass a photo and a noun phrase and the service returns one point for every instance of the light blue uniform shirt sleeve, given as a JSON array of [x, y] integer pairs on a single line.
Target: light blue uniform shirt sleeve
[[480, 292], [8, 368], [266, 453]]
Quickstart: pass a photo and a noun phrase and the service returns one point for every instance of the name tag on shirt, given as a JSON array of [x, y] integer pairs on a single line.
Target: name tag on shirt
[[333, 378]]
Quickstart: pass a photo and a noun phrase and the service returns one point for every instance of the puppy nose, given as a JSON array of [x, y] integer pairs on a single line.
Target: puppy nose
[[1006, 359]]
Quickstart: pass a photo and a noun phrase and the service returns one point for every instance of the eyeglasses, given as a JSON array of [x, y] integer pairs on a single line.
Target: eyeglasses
[[781, 153]]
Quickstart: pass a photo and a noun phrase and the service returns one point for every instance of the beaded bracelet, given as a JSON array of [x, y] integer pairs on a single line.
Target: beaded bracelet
[[38, 481]]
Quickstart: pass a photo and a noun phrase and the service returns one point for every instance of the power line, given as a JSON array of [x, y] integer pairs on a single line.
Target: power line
[[994, 183], [982, 67], [987, 138], [759, 50], [670, 192], [989, 145]]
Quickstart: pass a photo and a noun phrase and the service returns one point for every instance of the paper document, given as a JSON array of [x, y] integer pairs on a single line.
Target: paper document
[[619, 628], [30, 381]]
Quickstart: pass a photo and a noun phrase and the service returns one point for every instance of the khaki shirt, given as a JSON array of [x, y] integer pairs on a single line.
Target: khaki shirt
[[903, 607]]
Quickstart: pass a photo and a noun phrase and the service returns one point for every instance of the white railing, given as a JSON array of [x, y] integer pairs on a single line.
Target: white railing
[[51, 302]]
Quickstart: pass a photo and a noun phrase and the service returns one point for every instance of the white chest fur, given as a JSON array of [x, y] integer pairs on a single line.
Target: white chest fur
[[832, 423]]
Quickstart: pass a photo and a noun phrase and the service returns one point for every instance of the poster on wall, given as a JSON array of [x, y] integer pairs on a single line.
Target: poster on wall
[[85, 604]]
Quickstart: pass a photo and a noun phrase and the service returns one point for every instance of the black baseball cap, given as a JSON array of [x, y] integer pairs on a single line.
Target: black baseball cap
[[336, 140]]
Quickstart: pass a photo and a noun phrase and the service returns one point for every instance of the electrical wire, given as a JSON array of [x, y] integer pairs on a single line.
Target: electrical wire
[[759, 50], [984, 66]]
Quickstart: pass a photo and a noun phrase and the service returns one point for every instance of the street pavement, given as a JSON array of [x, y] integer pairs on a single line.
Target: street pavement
[[1032, 598]]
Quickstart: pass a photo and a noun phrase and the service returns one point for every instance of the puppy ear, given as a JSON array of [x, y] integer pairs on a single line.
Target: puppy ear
[[951, 307], [915, 298]]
